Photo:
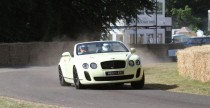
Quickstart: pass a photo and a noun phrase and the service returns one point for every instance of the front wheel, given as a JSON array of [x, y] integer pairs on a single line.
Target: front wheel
[[77, 83], [138, 84], [61, 78]]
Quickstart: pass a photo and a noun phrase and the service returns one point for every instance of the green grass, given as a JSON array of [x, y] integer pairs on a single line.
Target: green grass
[[14, 103], [164, 76]]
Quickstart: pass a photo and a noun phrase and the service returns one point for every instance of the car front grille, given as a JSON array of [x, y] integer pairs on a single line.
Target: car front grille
[[115, 64]]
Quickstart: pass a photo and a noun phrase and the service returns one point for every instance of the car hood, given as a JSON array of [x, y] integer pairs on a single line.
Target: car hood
[[104, 56]]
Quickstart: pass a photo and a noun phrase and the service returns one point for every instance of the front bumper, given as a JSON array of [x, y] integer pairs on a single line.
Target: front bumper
[[131, 74]]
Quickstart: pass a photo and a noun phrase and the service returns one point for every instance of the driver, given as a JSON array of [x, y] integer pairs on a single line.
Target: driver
[[83, 49]]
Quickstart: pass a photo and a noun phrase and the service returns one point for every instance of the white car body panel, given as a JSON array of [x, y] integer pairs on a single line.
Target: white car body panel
[[67, 62]]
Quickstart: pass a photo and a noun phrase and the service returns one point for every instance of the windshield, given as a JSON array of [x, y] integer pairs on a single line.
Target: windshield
[[100, 47], [195, 41], [180, 38]]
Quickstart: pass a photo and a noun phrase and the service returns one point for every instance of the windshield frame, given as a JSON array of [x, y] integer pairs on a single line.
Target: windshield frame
[[98, 45]]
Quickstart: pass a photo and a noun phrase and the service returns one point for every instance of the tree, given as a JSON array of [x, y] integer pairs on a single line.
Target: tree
[[44, 20], [195, 10], [183, 17]]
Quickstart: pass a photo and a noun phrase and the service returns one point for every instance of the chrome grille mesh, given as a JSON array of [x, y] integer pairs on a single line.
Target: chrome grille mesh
[[115, 64]]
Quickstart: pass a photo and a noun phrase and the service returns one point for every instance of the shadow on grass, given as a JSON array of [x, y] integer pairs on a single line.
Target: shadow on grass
[[128, 87], [159, 87]]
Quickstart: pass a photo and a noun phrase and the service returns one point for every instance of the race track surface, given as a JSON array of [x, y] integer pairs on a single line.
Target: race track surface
[[41, 84]]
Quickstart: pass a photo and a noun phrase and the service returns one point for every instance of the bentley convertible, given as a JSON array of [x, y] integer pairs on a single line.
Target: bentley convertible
[[101, 62]]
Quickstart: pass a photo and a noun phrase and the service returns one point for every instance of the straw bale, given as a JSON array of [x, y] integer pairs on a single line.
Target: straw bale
[[18, 54], [4, 55], [194, 62]]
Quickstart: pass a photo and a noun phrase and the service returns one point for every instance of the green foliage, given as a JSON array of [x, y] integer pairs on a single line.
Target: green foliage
[[44, 20], [192, 13], [183, 18]]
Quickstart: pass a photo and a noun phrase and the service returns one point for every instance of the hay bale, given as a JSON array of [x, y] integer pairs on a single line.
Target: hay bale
[[18, 54], [4, 55], [194, 62]]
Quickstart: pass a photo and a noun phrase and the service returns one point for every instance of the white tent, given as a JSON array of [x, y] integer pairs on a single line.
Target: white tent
[[186, 31]]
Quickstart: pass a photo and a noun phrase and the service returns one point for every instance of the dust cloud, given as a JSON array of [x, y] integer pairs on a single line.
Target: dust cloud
[[147, 56], [49, 53], [52, 51]]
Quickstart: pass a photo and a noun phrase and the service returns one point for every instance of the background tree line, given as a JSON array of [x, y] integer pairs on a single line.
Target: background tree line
[[189, 13], [48, 20], [45, 20]]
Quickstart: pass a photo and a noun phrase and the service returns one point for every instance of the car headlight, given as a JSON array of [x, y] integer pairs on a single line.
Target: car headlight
[[131, 63], [138, 62], [93, 65], [85, 65]]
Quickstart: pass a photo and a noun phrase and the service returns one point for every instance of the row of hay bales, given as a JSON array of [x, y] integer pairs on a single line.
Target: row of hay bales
[[34, 53], [194, 62], [49, 53]]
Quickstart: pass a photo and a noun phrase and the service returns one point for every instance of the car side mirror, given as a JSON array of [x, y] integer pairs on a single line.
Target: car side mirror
[[66, 54], [133, 50]]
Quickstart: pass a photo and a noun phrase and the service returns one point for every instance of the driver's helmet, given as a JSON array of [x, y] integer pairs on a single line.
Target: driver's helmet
[[106, 47], [83, 48]]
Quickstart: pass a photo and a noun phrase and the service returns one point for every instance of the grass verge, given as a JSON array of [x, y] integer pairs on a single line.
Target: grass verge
[[165, 76], [14, 103]]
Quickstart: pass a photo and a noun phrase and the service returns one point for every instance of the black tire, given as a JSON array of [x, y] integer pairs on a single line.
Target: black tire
[[77, 83], [61, 78], [138, 84]]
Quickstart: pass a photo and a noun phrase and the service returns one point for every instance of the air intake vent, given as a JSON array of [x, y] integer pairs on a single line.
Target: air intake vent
[[113, 78]]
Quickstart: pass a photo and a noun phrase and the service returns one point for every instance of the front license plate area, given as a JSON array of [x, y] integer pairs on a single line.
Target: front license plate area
[[111, 73]]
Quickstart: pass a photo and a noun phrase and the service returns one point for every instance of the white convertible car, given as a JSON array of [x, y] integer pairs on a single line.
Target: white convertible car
[[101, 62]]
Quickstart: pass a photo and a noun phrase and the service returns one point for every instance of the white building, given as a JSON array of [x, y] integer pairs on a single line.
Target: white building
[[208, 20], [146, 30]]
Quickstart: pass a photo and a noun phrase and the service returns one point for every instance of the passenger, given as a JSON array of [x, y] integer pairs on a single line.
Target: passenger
[[106, 47]]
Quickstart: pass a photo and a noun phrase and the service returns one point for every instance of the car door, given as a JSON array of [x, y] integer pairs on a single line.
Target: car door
[[69, 67]]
